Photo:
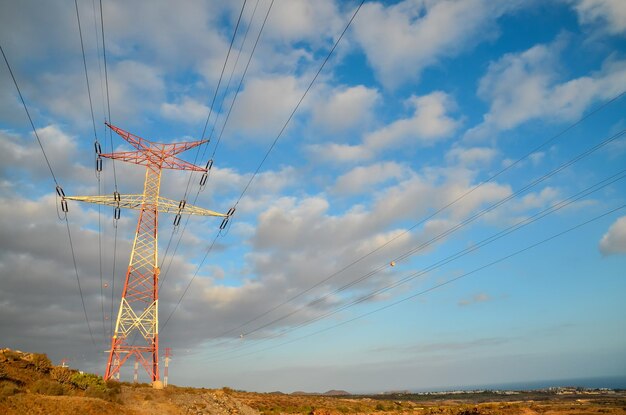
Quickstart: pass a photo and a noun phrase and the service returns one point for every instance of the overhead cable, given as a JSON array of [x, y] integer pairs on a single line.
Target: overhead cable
[[97, 146], [430, 216], [498, 235], [59, 190], [282, 130], [277, 138], [180, 236], [435, 287]]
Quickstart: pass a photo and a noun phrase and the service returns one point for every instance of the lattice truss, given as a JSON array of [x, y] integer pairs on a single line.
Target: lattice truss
[[139, 306]]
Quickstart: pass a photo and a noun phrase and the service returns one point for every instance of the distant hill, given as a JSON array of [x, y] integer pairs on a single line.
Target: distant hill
[[332, 392], [335, 392]]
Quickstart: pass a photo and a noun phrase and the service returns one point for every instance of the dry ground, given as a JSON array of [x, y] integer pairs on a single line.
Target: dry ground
[[605, 404], [30, 384]]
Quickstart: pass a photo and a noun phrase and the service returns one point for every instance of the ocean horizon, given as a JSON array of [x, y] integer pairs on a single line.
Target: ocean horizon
[[610, 382]]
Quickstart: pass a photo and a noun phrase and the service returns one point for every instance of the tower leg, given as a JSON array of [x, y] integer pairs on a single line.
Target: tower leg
[[136, 329]]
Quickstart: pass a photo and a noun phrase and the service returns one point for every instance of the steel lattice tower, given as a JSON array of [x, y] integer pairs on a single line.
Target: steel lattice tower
[[139, 307]]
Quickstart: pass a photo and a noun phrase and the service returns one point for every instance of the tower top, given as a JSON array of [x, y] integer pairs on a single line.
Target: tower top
[[155, 154]]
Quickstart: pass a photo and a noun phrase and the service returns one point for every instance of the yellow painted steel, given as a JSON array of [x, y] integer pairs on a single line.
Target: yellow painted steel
[[146, 323], [164, 205]]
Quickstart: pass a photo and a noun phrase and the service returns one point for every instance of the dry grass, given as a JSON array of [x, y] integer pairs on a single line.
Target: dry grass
[[30, 385], [275, 404]]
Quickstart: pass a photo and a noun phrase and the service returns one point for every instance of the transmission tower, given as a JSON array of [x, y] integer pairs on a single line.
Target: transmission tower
[[139, 307]]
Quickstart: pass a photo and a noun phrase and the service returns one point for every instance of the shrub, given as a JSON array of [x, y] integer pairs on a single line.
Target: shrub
[[472, 411], [41, 362], [96, 391], [95, 387], [85, 380], [47, 387], [12, 356], [8, 389], [56, 389], [61, 374], [114, 386]]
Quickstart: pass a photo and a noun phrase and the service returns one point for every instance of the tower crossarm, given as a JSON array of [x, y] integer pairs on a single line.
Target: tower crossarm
[[172, 206], [163, 205], [152, 156], [142, 144], [136, 141]]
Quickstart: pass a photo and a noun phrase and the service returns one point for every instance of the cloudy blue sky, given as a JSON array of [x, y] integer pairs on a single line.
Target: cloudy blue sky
[[390, 157]]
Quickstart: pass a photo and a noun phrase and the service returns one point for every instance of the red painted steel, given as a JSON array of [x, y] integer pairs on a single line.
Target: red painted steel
[[138, 312]]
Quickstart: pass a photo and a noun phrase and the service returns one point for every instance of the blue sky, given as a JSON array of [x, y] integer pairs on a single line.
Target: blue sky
[[421, 102]]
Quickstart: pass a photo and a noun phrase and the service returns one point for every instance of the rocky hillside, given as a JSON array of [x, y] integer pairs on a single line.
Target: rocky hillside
[[30, 384]]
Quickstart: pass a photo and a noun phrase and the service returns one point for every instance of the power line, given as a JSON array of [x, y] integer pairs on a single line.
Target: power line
[[98, 175], [450, 281], [280, 133], [106, 80], [108, 101], [219, 82], [232, 40], [458, 226], [224, 125], [498, 235], [29, 117], [95, 27], [189, 284], [519, 225], [174, 229], [256, 42], [96, 143], [275, 140], [82, 48], [80, 290], [58, 187]]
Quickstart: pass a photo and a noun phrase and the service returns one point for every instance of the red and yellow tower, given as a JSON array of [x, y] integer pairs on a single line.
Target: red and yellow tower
[[139, 306]]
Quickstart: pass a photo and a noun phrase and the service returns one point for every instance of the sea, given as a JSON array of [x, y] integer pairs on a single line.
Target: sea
[[612, 382]]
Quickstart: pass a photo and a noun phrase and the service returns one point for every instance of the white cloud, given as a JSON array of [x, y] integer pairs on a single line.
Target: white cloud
[[471, 156], [362, 178], [304, 20], [346, 108], [525, 86], [23, 154], [541, 199], [340, 152], [429, 124], [415, 196], [171, 38], [265, 103], [401, 40], [134, 86], [188, 110], [608, 14], [614, 240], [536, 157], [300, 242], [476, 298], [135, 89]]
